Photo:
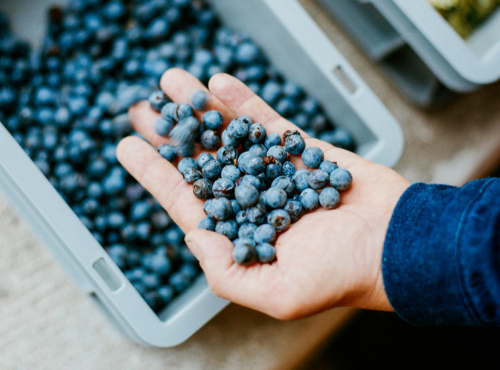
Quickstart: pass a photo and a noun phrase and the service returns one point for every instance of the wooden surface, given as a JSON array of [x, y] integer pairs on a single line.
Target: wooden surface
[[46, 323]]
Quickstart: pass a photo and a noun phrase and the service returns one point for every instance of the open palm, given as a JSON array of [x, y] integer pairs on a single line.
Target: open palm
[[328, 258]]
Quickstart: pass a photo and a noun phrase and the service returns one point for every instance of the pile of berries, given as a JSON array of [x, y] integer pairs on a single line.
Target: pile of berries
[[66, 104], [252, 194]]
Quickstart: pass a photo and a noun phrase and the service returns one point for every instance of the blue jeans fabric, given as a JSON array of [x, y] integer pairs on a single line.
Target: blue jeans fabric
[[441, 258]]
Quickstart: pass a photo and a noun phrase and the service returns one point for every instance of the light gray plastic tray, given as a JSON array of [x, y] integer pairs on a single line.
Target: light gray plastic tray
[[417, 48], [303, 53]]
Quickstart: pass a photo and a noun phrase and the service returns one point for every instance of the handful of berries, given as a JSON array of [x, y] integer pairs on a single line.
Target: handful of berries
[[252, 191]]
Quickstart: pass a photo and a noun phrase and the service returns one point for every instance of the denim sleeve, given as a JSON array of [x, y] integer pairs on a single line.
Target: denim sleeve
[[441, 258]]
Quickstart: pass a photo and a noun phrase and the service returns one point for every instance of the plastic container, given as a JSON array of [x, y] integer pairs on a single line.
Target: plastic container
[[418, 49], [316, 65]]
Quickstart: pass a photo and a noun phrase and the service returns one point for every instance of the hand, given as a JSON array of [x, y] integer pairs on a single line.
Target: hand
[[328, 258]]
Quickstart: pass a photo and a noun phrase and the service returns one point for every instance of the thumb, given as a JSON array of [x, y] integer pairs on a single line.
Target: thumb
[[213, 250], [239, 284]]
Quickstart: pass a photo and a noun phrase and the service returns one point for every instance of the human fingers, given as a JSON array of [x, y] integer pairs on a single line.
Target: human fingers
[[162, 180], [181, 87], [243, 101], [257, 286], [142, 119]]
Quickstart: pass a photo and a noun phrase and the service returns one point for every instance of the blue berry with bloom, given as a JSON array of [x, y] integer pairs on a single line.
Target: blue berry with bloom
[[329, 198], [341, 179], [212, 119], [266, 252], [279, 219], [312, 157], [199, 100], [265, 233], [158, 99]]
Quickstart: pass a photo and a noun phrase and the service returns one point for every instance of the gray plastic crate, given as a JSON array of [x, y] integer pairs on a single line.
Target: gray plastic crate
[[418, 50], [316, 65]]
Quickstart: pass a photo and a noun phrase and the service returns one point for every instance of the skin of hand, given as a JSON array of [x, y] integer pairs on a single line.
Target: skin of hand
[[327, 259]]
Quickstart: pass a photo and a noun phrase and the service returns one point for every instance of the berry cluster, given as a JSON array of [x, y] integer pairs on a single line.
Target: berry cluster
[[66, 105], [254, 193]]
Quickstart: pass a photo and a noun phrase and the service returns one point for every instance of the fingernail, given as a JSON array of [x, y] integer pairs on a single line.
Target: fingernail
[[193, 247]]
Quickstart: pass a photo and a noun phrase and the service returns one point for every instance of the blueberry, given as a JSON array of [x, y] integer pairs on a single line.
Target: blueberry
[[272, 140], [199, 100], [244, 253], [185, 149], [178, 282], [158, 99], [211, 170], [246, 195], [210, 140], [184, 111], [266, 253], [242, 159], [250, 180], [309, 199], [151, 280], [185, 163], [264, 234], [223, 187], [163, 126], [169, 111], [231, 172], [140, 210], [276, 197], [255, 165], [245, 119], [286, 107], [241, 217], [258, 150], [236, 207], [271, 91], [278, 152], [168, 152], [237, 129], [274, 170], [160, 264], [227, 155], [257, 214], [220, 209], [295, 144], [135, 274], [285, 183], [312, 157], [294, 209], [185, 131], [318, 179], [212, 119], [289, 169], [341, 179], [341, 138], [247, 230], [229, 141], [160, 220], [165, 293], [279, 219], [203, 158], [328, 166], [202, 189], [191, 175], [329, 198], [189, 269], [247, 52], [229, 228], [257, 133]]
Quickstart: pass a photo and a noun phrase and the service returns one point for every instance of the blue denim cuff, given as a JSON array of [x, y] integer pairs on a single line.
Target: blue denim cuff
[[441, 259]]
